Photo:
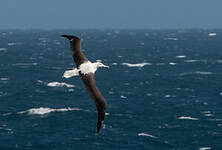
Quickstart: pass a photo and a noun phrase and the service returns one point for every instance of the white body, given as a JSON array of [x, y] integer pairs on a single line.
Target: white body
[[84, 68]]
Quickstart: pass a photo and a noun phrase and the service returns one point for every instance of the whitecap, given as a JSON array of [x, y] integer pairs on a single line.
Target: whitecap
[[107, 114], [71, 90], [25, 64], [46, 110], [11, 44], [172, 38], [207, 113], [181, 56], [187, 118], [172, 63], [110, 92], [108, 33], [205, 148], [136, 65], [203, 73], [4, 79], [149, 94], [40, 81], [123, 97], [196, 72], [148, 135], [3, 49], [160, 64], [169, 96], [6, 114], [212, 34], [6, 130], [114, 63], [127, 83], [60, 84], [190, 61]]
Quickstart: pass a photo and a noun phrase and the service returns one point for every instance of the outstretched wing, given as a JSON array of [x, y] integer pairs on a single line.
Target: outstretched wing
[[75, 47], [89, 81]]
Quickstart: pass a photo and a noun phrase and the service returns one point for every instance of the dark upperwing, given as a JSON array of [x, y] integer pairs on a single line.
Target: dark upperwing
[[75, 47], [88, 79], [90, 84]]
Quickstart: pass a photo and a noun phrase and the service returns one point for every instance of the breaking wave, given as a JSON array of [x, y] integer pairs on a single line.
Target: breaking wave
[[181, 56], [4, 79], [56, 84], [212, 34], [148, 135], [187, 118], [196, 72], [205, 148], [3, 49], [60, 84], [46, 110], [136, 65]]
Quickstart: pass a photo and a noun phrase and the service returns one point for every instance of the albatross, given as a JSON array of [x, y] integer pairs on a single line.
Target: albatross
[[86, 70]]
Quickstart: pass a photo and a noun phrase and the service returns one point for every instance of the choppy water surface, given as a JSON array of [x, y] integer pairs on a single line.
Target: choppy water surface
[[163, 90]]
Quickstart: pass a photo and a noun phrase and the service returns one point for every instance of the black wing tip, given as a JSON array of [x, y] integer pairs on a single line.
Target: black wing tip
[[101, 117], [70, 37], [99, 125]]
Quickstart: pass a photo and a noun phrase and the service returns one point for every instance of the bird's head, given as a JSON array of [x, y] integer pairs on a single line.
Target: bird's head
[[99, 64]]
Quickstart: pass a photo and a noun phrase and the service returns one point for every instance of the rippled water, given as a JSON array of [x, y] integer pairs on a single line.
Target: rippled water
[[163, 90]]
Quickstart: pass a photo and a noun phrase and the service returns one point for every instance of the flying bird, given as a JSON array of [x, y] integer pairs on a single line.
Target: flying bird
[[86, 70]]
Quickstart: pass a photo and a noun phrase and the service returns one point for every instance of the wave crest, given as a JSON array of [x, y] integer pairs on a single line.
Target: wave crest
[[60, 84], [46, 110], [136, 65]]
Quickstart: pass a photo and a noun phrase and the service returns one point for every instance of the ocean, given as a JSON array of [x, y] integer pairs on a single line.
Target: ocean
[[163, 90]]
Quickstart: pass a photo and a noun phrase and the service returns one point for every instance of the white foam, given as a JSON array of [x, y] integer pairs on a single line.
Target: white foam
[[187, 118], [11, 44], [4, 79], [205, 148], [190, 61], [25, 64], [136, 65], [123, 97], [172, 38], [172, 63], [169, 96], [207, 113], [203, 73], [181, 56], [212, 34], [148, 135], [60, 84], [3, 49], [46, 110], [110, 92], [107, 114], [196, 72], [40, 81], [219, 61]]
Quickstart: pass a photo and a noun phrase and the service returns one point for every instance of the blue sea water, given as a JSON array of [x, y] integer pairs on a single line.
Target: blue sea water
[[163, 90]]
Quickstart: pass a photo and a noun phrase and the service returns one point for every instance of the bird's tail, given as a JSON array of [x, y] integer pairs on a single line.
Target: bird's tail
[[70, 37]]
